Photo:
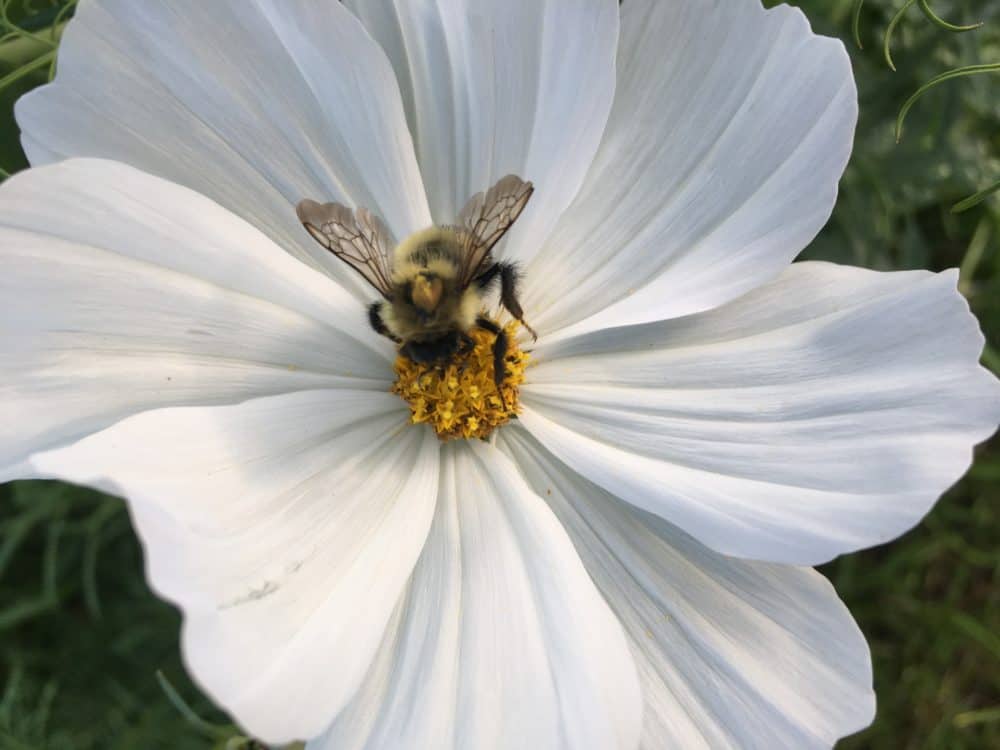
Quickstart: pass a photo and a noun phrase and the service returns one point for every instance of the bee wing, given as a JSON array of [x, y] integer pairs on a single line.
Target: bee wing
[[486, 218], [359, 238]]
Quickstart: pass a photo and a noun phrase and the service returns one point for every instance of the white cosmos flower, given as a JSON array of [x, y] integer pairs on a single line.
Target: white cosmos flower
[[623, 567]]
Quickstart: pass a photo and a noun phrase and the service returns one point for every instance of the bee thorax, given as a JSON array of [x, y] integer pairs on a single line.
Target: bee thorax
[[427, 292]]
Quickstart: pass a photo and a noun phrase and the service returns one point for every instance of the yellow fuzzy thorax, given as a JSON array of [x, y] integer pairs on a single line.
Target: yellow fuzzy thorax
[[459, 399]]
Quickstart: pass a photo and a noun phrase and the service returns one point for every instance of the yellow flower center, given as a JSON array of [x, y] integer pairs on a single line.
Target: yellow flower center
[[458, 398]]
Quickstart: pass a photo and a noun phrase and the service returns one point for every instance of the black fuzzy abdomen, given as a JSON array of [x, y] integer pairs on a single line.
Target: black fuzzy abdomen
[[433, 350]]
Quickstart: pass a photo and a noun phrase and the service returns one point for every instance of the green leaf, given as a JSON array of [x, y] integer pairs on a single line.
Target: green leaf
[[976, 198], [893, 23], [214, 731], [856, 22], [940, 22], [967, 70]]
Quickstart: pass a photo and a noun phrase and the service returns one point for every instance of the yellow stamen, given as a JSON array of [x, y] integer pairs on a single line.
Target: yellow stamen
[[459, 398]]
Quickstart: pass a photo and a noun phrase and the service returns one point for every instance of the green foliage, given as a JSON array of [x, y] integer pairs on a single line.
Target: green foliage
[[929, 603], [81, 636], [29, 38], [82, 639]]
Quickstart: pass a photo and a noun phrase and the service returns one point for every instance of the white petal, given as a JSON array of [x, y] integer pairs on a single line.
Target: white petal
[[122, 292], [730, 129], [502, 642], [732, 654], [824, 412], [496, 87], [285, 528], [255, 104]]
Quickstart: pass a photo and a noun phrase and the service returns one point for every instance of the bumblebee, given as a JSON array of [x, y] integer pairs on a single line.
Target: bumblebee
[[433, 283]]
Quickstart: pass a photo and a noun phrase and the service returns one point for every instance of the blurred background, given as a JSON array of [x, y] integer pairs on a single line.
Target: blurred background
[[82, 639]]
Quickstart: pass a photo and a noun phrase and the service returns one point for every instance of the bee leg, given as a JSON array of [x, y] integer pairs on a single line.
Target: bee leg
[[499, 354], [465, 346], [407, 351], [488, 325], [485, 280], [375, 319], [465, 343], [508, 295]]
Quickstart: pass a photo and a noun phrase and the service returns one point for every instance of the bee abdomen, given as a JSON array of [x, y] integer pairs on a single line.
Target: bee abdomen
[[438, 349]]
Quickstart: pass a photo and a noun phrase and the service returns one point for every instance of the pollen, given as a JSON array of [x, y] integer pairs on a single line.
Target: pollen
[[459, 398]]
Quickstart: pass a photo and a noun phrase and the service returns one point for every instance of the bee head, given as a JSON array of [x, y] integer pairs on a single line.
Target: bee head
[[426, 292]]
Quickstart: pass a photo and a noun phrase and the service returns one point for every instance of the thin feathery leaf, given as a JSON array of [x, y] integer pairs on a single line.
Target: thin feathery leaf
[[893, 23], [934, 18], [948, 75], [856, 22], [976, 198], [213, 731]]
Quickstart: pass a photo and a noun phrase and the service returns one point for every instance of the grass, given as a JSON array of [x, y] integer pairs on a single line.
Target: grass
[[82, 638]]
